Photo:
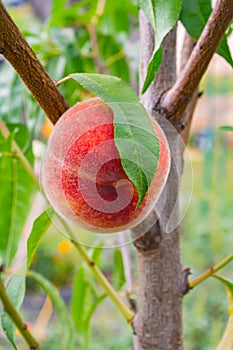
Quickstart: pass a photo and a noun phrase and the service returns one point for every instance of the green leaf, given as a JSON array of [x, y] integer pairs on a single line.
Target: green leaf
[[194, 15], [93, 307], [84, 302], [20, 135], [40, 226], [166, 14], [152, 68], [163, 16], [227, 283], [224, 51], [118, 277], [77, 300], [15, 291], [148, 8], [11, 94], [96, 254], [111, 89], [59, 307], [114, 52], [226, 128], [109, 21], [133, 131], [17, 189], [67, 15], [227, 338]]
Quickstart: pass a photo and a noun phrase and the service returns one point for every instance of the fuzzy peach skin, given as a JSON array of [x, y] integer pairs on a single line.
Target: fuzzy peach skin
[[82, 175]]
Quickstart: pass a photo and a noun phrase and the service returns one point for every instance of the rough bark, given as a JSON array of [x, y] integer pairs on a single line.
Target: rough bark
[[185, 123], [19, 54], [158, 323]]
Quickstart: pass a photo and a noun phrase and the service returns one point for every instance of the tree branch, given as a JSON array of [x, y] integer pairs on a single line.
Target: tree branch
[[186, 119], [210, 272], [95, 47], [14, 315], [19, 54], [177, 98]]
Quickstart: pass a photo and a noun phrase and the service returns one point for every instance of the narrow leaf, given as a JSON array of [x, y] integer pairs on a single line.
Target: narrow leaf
[[17, 189], [16, 291], [224, 50], [96, 254], [194, 15], [77, 300], [227, 283], [11, 94], [84, 302], [166, 15], [40, 226], [152, 69], [148, 8], [163, 16], [133, 132], [93, 307], [118, 277], [226, 128], [227, 338], [59, 307]]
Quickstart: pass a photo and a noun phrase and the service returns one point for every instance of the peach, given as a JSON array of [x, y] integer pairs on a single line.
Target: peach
[[83, 177]]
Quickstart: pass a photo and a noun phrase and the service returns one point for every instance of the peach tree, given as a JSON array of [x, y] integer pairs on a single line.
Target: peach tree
[[113, 163]]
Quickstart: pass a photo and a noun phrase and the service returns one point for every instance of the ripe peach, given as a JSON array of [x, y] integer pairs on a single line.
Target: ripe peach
[[82, 173]]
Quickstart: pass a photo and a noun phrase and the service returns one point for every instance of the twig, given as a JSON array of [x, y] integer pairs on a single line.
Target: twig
[[114, 58], [16, 50], [63, 80], [95, 47], [14, 315], [196, 281], [177, 98], [99, 11]]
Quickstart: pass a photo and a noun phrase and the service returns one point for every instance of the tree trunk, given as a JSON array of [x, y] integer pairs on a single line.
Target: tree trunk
[[162, 281]]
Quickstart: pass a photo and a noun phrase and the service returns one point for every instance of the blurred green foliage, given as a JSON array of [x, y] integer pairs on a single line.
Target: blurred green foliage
[[207, 239], [75, 38]]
